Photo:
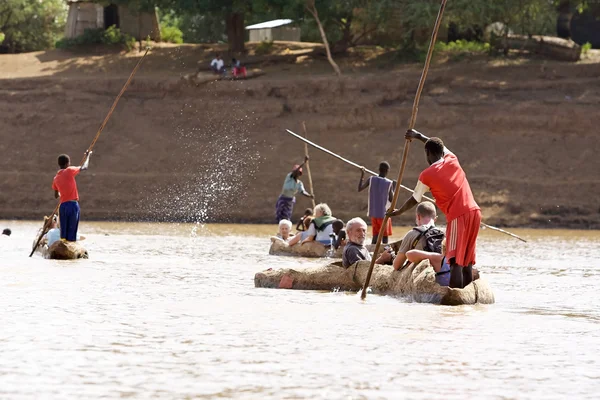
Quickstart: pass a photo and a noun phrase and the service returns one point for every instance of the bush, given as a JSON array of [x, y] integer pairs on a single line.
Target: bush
[[111, 36], [461, 48], [171, 34], [28, 25], [584, 49], [264, 47]]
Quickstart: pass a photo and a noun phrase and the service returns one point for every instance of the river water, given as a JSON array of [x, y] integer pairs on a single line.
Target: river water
[[170, 311]]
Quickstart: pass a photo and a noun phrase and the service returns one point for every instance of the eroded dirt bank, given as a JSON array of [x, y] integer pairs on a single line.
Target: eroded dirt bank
[[527, 136]]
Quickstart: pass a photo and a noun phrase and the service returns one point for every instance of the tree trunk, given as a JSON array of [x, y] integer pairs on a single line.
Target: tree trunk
[[236, 35], [311, 7], [342, 45]]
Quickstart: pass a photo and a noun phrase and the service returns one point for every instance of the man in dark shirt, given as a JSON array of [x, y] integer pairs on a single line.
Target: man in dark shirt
[[355, 249]]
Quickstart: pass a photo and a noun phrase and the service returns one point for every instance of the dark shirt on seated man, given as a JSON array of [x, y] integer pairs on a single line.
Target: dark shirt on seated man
[[355, 249]]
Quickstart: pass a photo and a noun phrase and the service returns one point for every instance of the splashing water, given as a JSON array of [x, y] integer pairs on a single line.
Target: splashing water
[[213, 177]]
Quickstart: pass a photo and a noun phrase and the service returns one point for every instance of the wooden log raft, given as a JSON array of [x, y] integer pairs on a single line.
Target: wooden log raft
[[65, 251], [313, 249], [549, 46], [414, 281]]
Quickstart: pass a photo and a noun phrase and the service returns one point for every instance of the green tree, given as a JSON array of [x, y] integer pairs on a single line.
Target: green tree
[[31, 25], [347, 22]]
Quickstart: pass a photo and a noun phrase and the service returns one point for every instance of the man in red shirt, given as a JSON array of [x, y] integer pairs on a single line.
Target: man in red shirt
[[65, 187], [448, 183]]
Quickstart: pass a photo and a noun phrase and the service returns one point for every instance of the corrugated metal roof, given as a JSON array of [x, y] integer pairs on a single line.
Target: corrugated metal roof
[[270, 24]]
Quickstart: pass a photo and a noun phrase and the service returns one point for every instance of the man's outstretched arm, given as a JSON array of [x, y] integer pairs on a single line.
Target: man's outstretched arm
[[87, 162], [362, 185], [408, 204], [413, 134]]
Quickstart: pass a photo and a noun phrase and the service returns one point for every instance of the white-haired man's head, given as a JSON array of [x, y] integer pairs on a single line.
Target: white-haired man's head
[[356, 229], [322, 210], [285, 227]]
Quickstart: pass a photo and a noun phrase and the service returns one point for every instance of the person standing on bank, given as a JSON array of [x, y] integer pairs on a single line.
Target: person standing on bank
[[448, 183], [291, 185], [65, 187], [381, 192]]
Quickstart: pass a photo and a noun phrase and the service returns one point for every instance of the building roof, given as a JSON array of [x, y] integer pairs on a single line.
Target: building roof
[[270, 24]]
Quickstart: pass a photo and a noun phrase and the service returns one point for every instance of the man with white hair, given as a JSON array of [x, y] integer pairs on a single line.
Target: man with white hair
[[355, 250]]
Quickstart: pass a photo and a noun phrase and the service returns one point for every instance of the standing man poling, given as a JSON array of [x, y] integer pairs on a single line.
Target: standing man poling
[[65, 187], [381, 192], [291, 185], [448, 183]]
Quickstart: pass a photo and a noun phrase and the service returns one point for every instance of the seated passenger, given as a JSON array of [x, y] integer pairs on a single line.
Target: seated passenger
[[438, 261], [299, 236], [321, 226], [285, 227], [53, 234], [300, 225], [425, 236], [355, 249], [339, 234]]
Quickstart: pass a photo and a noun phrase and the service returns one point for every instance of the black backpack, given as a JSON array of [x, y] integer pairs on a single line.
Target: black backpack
[[433, 239]]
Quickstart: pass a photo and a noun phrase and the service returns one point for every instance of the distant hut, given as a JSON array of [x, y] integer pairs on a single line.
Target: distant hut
[[278, 29], [87, 14]]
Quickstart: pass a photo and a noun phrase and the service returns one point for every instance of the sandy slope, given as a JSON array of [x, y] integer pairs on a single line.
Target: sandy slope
[[527, 135]]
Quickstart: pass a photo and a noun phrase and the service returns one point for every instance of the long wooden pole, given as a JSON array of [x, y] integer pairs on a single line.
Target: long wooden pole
[[112, 108], [307, 165], [413, 120], [331, 153]]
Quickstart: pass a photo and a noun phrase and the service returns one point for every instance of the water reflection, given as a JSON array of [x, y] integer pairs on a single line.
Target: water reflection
[[170, 311]]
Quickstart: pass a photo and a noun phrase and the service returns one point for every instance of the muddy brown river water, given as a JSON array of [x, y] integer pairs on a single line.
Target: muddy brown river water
[[170, 311]]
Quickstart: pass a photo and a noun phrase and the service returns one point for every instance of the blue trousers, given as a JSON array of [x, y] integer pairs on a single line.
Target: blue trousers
[[69, 220]]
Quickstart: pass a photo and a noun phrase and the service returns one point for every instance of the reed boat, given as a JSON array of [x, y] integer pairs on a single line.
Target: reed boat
[[63, 251], [415, 281], [314, 249]]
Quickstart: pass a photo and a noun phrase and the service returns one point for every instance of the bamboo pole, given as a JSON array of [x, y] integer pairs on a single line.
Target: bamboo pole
[[331, 153], [310, 183], [413, 120], [89, 150]]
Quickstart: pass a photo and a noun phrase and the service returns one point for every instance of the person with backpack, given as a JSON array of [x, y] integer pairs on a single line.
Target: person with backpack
[[425, 236], [438, 261]]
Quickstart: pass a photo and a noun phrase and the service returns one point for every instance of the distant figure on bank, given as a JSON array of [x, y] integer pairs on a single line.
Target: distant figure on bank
[[438, 261], [6, 232], [425, 236], [291, 185], [339, 234], [321, 226], [355, 249], [217, 65], [300, 225], [381, 192], [237, 68], [285, 227], [448, 183], [65, 187]]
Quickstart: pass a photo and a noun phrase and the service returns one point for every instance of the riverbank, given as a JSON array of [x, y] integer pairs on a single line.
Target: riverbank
[[525, 133]]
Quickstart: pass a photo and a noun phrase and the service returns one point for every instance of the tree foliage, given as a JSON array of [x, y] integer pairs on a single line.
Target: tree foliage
[[31, 25]]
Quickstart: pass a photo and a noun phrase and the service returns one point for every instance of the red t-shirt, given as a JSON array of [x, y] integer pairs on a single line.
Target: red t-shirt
[[449, 186], [64, 182]]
